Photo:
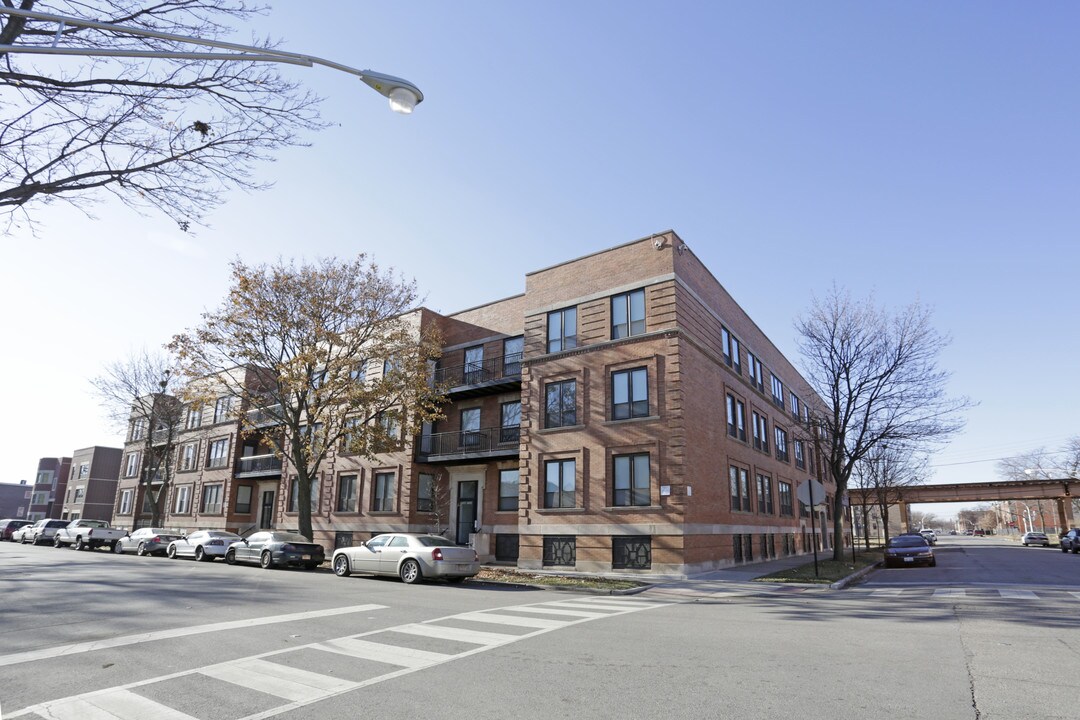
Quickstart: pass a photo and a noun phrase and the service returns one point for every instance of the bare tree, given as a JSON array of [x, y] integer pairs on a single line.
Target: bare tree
[[438, 493], [168, 134], [877, 373], [1043, 463], [342, 360], [885, 472], [139, 393]]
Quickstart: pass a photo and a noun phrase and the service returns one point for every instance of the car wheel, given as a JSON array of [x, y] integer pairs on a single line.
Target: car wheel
[[56, 543], [341, 566], [171, 552], [933, 563], [230, 557], [78, 544], [118, 547], [141, 552], [410, 572], [200, 554], [266, 560], [1064, 549]]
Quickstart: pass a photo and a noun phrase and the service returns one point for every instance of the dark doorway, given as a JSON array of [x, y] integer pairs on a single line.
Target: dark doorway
[[466, 510], [266, 514]]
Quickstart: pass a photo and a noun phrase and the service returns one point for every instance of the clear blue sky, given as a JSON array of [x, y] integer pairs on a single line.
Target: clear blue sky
[[916, 150]]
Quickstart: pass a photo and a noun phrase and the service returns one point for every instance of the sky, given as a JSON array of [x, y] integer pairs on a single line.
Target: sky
[[914, 151]]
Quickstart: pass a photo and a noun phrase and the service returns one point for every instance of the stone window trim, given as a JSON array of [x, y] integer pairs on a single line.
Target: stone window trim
[[336, 489]]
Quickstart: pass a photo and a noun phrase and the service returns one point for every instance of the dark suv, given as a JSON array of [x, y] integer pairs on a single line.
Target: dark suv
[[9, 526], [1071, 541]]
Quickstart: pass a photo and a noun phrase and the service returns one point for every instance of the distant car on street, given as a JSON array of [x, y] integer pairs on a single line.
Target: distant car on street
[[147, 541], [930, 535], [42, 531], [1035, 538], [910, 549], [1071, 541]]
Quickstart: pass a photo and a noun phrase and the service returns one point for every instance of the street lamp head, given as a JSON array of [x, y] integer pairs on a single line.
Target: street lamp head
[[403, 95]]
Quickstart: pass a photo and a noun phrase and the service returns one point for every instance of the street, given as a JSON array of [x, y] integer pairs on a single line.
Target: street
[[992, 632]]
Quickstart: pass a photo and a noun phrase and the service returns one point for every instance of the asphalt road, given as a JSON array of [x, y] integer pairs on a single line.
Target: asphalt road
[[90, 635]]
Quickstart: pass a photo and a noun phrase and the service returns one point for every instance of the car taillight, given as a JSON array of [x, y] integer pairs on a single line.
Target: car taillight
[[289, 547], [216, 542], [155, 539], [436, 554]]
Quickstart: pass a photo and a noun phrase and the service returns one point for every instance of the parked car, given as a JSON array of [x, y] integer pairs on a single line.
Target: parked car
[[1071, 541], [979, 532], [42, 531], [86, 534], [147, 541], [909, 549], [19, 533], [930, 535], [273, 548], [1035, 538], [202, 544], [410, 556], [7, 527]]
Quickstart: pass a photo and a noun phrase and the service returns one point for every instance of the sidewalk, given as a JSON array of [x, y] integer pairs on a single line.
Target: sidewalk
[[741, 579]]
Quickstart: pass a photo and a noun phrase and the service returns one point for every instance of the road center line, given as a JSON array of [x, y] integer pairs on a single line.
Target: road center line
[[46, 653]]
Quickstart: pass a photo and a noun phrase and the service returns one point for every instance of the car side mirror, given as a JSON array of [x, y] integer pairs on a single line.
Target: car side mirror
[[245, 540]]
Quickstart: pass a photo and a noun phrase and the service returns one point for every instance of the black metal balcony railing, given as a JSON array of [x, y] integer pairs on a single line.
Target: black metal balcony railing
[[486, 442], [260, 464], [489, 370], [260, 417]]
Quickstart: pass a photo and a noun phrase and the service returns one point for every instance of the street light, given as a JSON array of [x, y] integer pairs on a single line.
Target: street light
[[403, 95]]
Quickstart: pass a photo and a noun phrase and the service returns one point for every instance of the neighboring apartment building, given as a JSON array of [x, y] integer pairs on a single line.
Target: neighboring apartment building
[[50, 484], [15, 499], [91, 486]]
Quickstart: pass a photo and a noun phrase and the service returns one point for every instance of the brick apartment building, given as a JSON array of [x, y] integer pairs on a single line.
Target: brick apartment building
[[15, 499], [50, 484], [623, 414], [91, 486]]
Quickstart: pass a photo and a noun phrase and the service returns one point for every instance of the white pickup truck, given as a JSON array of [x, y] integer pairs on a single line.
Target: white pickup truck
[[87, 534]]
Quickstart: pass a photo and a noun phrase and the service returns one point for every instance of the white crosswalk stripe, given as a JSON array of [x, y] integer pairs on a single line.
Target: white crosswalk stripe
[[1018, 594], [278, 680], [519, 621], [557, 611], [442, 632], [950, 593], [381, 652], [114, 705]]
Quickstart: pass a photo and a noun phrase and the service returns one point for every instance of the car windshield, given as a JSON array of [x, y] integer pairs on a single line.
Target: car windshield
[[907, 541], [434, 541], [290, 537], [220, 534]]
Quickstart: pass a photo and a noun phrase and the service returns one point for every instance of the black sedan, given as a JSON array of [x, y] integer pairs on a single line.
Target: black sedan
[[909, 550], [270, 549], [1071, 541]]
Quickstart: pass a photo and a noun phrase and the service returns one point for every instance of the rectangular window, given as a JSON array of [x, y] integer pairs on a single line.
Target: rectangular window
[[740, 489], [730, 346], [243, 499], [755, 372], [183, 500], [388, 421], [131, 465], [631, 482], [800, 456], [346, 493], [510, 422], [761, 432], [736, 547], [562, 330], [561, 406], [138, 429], [383, 492], [764, 493], [512, 350], [125, 502], [470, 428], [474, 364], [221, 409], [796, 405], [781, 443], [79, 493], [633, 552], [506, 547], [509, 481], [736, 418], [629, 394], [218, 454], [425, 493], [627, 314], [351, 435], [194, 417], [559, 483], [294, 495], [358, 373], [84, 470], [189, 452], [211, 499], [777, 390], [560, 550]]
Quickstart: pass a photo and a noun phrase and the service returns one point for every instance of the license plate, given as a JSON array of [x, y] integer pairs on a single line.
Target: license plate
[[909, 559], [463, 568], [306, 557]]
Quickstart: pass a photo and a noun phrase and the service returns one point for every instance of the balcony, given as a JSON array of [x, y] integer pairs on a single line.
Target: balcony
[[497, 442], [262, 417], [496, 374], [258, 466]]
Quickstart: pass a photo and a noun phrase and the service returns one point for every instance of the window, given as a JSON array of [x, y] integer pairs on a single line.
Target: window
[[631, 485], [474, 364], [786, 507], [217, 457], [730, 347], [131, 465], [629, 394], [346, 493], [350, 435], [388, 421], [627, 314], [294, 495], [561, 407], [425, 493], [512, 349], [383, 496], [84, 470], [358, 373], [736, 418], [562, 330], [508, 489], [796, 404], [559, 483], [510, 422], [211, 499], [506, 547], [194, 417], [470, 428], [740, 489], [800, 457], [777, 390], [560, 550], [188, 454], [781, 443], [764, 494], [183, 500], [755, 372], [633, 552], [80, 493], [125, 502], [761, 432], [138, 429], [221, 408], [736, 548], [243, 499]]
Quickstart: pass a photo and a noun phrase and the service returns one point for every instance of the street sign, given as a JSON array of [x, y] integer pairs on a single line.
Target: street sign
[[803, 493]]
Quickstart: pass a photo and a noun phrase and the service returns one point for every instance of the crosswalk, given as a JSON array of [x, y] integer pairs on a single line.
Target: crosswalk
[[288, 679], [952, 593]]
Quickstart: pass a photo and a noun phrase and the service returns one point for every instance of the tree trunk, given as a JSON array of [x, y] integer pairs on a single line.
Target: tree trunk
[[838, 526]]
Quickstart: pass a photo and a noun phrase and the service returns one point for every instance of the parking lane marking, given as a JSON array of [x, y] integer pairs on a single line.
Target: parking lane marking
[[288, 683], [1018, 594], [442, 632], [91, 646], [381, 652]]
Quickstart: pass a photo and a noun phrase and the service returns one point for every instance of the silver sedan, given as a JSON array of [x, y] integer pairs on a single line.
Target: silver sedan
[[147, 541], [203, 544], [410, 556]]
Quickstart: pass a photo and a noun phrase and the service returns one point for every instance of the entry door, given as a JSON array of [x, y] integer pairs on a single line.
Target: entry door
[[466, 510], [266, 513]]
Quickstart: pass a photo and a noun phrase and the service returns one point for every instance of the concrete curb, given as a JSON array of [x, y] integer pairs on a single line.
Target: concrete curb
[[560, 588], [857, 575]]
